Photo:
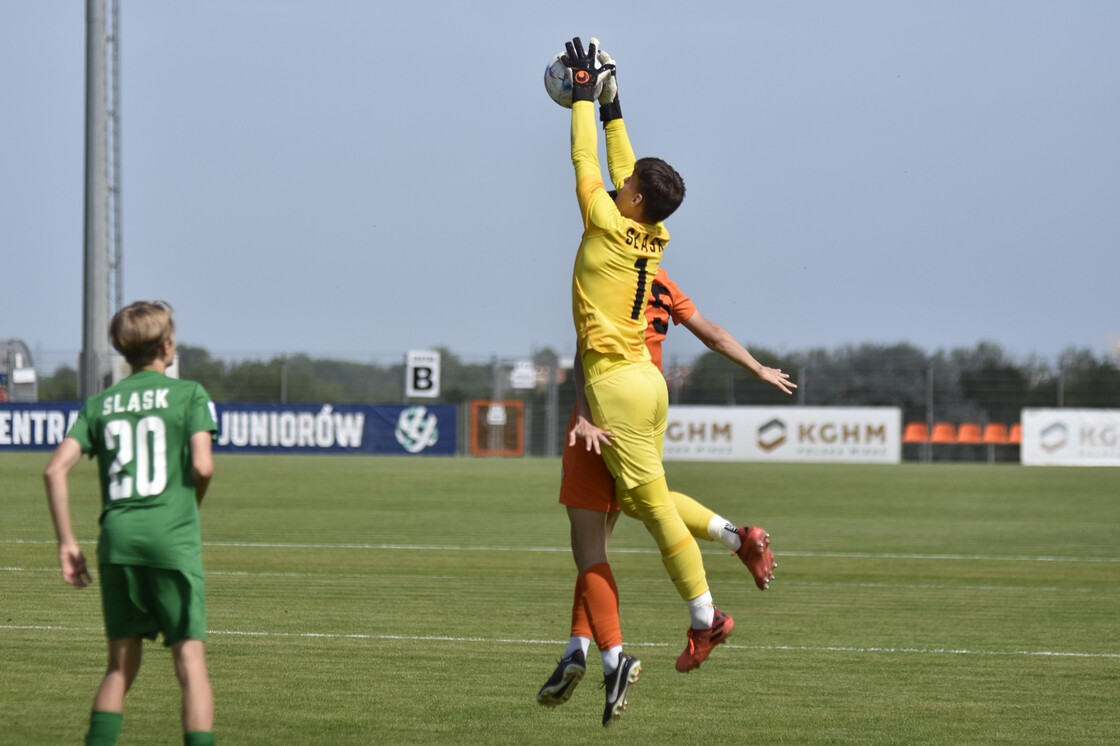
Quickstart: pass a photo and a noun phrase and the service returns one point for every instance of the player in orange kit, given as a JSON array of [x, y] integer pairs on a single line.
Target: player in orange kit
[[587, 491]]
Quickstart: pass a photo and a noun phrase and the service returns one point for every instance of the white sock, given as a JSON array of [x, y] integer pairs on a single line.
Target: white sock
[[702, 611], [725, 532], [610, 659], [577, 643]]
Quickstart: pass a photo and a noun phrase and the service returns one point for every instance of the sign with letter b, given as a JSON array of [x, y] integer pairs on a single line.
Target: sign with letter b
[[422, 374]]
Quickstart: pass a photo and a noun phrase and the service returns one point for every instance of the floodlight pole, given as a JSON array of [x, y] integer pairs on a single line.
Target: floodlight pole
[[94, 364], [116, 262]]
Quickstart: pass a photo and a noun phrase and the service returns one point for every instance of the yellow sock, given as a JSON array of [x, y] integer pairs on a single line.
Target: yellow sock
[[695, 516], [652, 504]]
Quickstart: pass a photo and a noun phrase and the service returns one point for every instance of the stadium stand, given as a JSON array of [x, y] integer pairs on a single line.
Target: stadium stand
[[995, 433], [943, 432], [915, 432], [968, 433]]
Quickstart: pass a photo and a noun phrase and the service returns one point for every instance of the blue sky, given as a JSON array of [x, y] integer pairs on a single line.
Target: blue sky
[[357, 179]]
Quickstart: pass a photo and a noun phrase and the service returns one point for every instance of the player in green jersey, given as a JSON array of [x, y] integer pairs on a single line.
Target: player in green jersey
[[152, 437]]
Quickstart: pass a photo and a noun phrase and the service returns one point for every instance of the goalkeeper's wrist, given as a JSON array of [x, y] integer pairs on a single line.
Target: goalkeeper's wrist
[[610, 112], [583, 93]]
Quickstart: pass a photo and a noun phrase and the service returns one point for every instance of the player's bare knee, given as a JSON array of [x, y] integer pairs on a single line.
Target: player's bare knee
[[190, 660]]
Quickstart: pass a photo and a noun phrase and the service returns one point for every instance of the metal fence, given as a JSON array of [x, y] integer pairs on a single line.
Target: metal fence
[[979, 387]]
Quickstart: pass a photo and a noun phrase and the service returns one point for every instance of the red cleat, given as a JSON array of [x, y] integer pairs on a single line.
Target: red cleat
[[756, 555], [701, 642]]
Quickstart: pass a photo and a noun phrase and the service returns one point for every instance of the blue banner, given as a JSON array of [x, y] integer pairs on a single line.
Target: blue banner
[[35, 426], [271, 428]]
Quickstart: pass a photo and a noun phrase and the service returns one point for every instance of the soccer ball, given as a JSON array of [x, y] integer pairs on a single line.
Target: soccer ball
[[558, 82]]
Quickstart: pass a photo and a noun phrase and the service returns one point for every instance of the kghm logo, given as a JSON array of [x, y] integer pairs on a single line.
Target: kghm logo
[[771, 435], [416, 429], [841, 432], [698, 432], [1054, 437]]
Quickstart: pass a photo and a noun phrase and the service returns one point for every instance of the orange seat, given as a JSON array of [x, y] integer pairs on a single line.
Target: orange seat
[[995, 433], [1015, 434], [915, 432], [943, 432], [968, 432]]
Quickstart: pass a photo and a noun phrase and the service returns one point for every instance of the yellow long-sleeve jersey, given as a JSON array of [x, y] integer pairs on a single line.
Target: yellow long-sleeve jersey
[[617, 257]]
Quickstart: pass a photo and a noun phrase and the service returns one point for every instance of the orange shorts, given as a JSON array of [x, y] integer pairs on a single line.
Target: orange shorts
[[585, 481]]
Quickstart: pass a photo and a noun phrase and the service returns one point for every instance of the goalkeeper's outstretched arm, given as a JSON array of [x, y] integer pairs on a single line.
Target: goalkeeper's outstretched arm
[[620, 155], [586, 72], [585, 144], [596, 205]]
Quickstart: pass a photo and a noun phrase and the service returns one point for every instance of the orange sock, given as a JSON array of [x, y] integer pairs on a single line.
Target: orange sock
[[581, 625], [600, 601]]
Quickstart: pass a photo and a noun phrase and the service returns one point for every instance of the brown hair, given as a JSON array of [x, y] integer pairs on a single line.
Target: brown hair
[[139, 330], [661, 187]]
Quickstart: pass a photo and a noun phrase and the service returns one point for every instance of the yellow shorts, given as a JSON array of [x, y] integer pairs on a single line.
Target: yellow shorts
[[630, 400]]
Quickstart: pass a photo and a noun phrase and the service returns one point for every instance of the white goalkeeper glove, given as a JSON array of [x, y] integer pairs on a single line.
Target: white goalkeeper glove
[[610, 84], [609, 107]]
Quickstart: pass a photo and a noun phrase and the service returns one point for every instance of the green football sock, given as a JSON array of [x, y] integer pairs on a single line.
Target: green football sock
[[104, 728], [199, 738]]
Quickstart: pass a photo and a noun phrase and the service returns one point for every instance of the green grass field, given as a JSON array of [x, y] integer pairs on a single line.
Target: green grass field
[[380, 600]]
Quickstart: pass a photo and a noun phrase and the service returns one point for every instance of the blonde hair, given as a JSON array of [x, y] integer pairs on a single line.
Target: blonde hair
[[139, 330]]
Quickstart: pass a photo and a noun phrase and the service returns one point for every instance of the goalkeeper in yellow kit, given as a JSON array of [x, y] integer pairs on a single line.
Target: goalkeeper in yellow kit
[[623, 242]]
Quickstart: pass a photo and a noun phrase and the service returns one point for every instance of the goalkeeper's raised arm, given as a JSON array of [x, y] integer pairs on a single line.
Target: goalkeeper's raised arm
[[620, 155], [586, 72]]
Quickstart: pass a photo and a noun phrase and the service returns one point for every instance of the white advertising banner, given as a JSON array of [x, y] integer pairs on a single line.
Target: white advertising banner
[[1071, 437], [822, 434]]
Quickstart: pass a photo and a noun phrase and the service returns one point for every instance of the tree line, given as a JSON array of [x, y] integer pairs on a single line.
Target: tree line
[[982, 383], [978, 384]]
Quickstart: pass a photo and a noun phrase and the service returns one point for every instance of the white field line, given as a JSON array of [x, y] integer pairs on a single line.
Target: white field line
[[514, 641], [785, 581], [614, 550]]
